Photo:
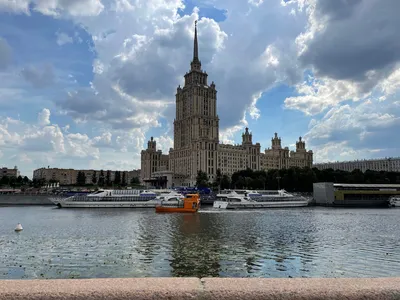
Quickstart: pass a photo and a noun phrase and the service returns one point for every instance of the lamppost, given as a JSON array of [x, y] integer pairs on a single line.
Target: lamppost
[[278, 178]]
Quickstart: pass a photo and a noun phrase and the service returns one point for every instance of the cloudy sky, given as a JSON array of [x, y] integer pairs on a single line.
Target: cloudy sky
[[85, 83]]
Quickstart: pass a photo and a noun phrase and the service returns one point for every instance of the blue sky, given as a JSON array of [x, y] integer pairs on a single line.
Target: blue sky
[[85, 84]]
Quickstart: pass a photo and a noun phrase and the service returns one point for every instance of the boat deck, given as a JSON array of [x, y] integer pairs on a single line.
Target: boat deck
[[111, 199]]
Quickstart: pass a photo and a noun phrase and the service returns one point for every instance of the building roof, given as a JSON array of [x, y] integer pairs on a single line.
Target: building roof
[[366, 185]]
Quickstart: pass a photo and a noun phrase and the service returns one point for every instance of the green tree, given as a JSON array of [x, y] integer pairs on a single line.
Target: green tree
[[94, 177], [12, 181], [225, 182], [217, 182], [108, 178], [123, 180], [117, 178], [135, 181], [5, 180], [81, 179], [101, 178], [25, 180], [202, 179], [240, 182]]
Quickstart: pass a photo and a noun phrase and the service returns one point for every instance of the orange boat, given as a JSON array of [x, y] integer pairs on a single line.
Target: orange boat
[[190, 204]]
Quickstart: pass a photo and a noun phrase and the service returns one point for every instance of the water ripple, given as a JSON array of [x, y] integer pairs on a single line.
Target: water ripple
[[309, 242]]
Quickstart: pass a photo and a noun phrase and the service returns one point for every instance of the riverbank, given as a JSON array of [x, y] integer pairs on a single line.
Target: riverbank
[[25, 199], [206, 288]]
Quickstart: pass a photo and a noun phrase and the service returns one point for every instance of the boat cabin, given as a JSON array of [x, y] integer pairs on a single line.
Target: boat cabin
[[190, 203]]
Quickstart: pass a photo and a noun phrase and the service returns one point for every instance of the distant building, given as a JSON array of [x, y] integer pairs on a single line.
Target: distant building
[[6, 172], [69, 176], [196, 140], [391, 164]]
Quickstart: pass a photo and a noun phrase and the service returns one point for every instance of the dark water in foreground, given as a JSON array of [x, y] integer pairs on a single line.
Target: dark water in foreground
[[305, 242]]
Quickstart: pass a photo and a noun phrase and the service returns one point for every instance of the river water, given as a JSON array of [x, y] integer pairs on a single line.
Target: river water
[[304, 242]]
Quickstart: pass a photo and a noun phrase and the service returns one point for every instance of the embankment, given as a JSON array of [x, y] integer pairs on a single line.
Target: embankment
[[25, 199], [207, 288]]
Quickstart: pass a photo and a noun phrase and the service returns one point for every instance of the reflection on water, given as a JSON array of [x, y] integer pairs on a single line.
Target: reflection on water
[[306, 242]]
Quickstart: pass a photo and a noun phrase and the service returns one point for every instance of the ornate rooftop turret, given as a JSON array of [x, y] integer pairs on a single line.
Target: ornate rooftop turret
[[195, 64]]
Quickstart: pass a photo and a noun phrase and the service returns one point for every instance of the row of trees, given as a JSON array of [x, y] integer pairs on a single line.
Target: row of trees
[[293, 179], [14, 181], [120, 179], [104, 179]]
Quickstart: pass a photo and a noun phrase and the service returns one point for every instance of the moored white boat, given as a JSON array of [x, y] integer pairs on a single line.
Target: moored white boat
[[281, 199], [116, 198]]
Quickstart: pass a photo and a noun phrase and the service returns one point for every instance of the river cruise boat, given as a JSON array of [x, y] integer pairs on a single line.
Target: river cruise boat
[[190, 204], [117, 198], [251, 199]]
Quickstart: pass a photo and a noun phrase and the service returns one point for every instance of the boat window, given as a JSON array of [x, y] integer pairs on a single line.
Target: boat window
[[234, 200]]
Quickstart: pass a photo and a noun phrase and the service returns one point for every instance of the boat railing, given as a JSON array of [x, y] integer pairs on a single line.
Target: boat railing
[[111, 199], [278, 199], [179, 204]]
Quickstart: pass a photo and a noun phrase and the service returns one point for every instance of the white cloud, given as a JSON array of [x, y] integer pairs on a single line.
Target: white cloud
[[54, 8], [44, 117], [164, 143], [226, 136], [343, 47], [154, 49], [7, 138], [47, 142], [363, 126], [63, 38], [144, 47], [341, 151], [317, 95], [75, 8], [15, 6], [391, 84], [105, 140]]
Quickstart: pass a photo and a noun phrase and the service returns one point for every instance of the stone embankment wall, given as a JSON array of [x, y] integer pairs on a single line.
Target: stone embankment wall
[[208, 288], [25, 199]]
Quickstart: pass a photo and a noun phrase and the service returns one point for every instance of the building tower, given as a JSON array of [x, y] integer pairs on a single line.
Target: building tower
[[300, 146], [196, 123], [247, 137], [276, 142], [150, 159]]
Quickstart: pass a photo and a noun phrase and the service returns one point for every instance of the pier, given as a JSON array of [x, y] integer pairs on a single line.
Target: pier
[[353, 195]]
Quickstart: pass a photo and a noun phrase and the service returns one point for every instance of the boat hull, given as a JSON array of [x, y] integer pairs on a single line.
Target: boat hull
[[76, 204], [161, 209], [258, 205]]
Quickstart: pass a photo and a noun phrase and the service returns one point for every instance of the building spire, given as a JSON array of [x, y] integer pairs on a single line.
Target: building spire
[[195, 46]]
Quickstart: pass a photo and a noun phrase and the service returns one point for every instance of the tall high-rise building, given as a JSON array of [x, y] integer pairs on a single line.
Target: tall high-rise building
[[196, 139], [196, 134]]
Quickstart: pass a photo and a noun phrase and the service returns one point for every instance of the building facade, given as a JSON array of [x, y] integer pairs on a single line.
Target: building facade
[[69, 176], [196, 140], [6, 172], [391, 164]]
